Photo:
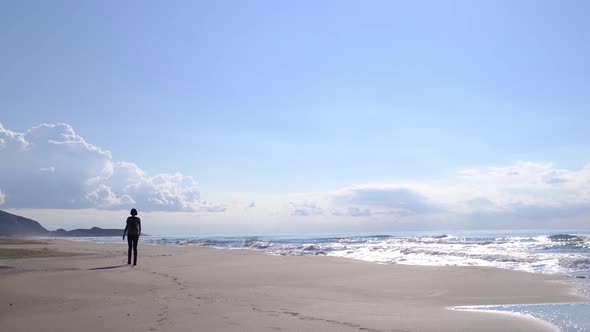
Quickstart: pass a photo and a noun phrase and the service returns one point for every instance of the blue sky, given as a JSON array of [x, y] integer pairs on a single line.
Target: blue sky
[[262, 99]]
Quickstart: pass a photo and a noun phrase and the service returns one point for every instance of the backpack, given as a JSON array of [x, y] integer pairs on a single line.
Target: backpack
[[133, 226]]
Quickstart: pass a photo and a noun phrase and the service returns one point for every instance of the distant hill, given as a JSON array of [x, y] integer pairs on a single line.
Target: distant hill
[[94, 231], [13, 225]]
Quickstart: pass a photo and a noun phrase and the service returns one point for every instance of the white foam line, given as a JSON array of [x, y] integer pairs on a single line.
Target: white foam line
[[506, 312]]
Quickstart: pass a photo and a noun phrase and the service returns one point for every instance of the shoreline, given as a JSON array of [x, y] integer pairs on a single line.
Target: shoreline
[[540, 251], [550, 326], [183, 287], [564, 316]]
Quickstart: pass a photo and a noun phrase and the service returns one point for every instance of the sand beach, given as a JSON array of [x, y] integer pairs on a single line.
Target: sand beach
[[58, 285]]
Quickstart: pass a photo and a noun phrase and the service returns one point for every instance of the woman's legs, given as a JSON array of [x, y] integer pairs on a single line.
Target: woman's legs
[[129, 246], [135, 240]]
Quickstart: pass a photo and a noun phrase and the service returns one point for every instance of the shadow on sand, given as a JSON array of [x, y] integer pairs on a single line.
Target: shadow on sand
[[107, 267]]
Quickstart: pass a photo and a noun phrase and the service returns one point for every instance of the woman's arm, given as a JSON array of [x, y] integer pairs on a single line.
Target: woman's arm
[[125, 231]]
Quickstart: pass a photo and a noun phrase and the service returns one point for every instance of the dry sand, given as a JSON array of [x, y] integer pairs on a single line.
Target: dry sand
[[81, 286]]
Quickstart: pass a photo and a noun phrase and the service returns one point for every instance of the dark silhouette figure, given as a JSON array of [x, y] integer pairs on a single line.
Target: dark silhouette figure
[[133, 231]]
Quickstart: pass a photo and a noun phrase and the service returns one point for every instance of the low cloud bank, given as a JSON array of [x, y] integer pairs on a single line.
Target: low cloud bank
[[525, 192]]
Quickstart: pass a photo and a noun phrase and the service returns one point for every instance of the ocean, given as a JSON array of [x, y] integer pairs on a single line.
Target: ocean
[[564, 252]]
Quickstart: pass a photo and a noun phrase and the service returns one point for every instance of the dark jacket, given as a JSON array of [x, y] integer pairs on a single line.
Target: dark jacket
[[133, 226]]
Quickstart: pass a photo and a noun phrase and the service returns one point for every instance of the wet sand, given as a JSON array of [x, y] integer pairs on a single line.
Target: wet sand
[[83, 286]]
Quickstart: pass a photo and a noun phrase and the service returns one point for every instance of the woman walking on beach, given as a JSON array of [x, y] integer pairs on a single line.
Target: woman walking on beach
[[133, 231]]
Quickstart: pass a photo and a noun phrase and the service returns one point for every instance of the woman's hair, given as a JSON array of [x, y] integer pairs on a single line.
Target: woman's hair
[[133, 212]]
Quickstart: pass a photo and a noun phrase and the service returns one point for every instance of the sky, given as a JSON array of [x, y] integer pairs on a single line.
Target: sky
[[235, 117]]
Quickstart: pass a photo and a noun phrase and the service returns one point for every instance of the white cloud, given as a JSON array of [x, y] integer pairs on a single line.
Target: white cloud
[[353, 212], [527, 184], [51, 166], [104, 197], [524, 191], [2, 197], [382, 199], [306, 209], [77, 167], [173, 192]]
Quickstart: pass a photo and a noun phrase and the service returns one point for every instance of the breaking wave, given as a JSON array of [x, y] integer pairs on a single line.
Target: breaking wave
[[562, 253]]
